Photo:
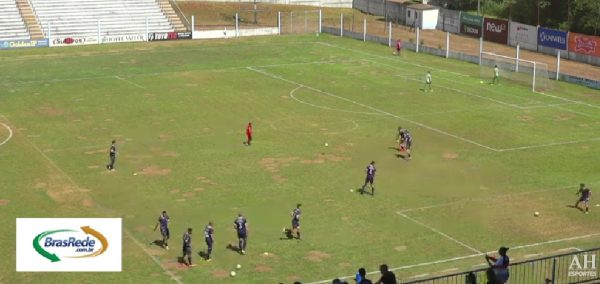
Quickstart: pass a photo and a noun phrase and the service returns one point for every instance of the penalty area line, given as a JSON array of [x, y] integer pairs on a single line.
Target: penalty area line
[[278, 77]]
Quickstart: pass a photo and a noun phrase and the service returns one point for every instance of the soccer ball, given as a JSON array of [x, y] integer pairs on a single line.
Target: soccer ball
[[232, 273], [326, 144], [480, 82], [239, 266], [536, 214]]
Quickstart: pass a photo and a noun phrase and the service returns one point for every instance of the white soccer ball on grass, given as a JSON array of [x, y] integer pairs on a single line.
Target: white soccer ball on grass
[[232, 273], [239, 266]]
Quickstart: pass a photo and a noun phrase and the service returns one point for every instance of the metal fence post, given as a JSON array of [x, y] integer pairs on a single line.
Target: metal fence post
[[49, 34], [418, 33], [342, 25], [447, 44], [237, 24], [557, 64], [518, 56], [480, 49], [320, 20], [365, 29], [390, 34], [193, 25], [278, 23], [553, 270]]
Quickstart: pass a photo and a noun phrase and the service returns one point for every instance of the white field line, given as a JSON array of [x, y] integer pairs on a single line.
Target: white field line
[[387, 58], [10, 133], [327, 108], [487, 198], [374, 109], [465, 257], [375, 113], [130, 82], [441, 233], [548, 145], [51, 162], [151, 51], [173, 72]]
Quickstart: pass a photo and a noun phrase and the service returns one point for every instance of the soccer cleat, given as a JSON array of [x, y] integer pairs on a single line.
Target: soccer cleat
[[243, 252], [283, 231], [208, 259], [167, 247]]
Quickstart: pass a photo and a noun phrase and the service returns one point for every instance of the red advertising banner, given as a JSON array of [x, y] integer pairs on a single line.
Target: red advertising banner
[[584, 44], [495, 30]]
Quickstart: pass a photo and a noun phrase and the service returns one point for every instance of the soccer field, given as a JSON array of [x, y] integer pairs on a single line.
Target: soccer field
[[485, 157]]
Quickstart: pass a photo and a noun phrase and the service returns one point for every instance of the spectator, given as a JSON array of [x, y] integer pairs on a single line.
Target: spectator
[[491, 277], [361, 277], [338, 281], [500, 265], [471, 278], [387, 277]]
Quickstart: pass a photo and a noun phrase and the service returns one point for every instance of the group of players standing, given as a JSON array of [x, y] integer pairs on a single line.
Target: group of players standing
[[240, 225]]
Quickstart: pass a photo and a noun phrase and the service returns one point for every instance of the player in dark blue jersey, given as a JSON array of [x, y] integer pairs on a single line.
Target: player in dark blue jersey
[[400, 139], [370, 178], [584, 196], [407, 142], [187, 247], [163, 222], [112, 154], [296, 221], [241, 227], [208, 237]]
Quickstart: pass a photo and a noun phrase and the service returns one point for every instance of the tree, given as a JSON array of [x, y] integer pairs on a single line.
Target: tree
[[541, 4], [508, 5]]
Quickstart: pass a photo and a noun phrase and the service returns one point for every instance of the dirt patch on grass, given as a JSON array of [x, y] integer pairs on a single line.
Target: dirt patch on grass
[[450, 156], [91, 152], [87, 202], [316, 256], [263, 268], [140, 228], [50, 111], [585, 147], [4, 202], [199, 189], [174, 191], [164, 136], [278, 178], [344, 264], [220, 273], [155, 171], [40, 185], [525, 118], [345, 218], [180, 200], [174, 265], [400, 248], [273, 165], [169, 154], [563, 117], [188, 194], [93, 167]]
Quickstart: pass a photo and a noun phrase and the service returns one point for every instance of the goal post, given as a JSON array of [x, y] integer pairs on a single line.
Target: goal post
[[525, 72]]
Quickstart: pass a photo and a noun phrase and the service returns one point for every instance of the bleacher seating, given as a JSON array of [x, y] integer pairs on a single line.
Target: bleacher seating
[[79, 18], [12, 26]]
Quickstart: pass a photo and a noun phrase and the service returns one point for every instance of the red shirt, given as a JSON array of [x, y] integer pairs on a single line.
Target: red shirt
[[398, 44], [249, 130]]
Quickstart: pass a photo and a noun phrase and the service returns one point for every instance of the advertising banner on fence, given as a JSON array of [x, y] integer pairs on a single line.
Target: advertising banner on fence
[[68, 244], [169, 36], [470, 24], [12, 44], [495, 30], [70, 41], [123, 38], [524, 35], [552, 38], [584, 44]]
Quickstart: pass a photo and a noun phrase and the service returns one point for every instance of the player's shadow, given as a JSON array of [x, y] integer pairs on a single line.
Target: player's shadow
[[158, 243], [364, 192], [287, 235], [202, 254], [233, 248], [575, 207]]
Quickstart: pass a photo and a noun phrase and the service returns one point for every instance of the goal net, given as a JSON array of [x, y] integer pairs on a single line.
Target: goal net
[[299, 22], [529, 73]]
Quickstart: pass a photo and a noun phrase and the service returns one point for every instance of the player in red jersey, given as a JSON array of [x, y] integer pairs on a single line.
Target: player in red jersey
[[249, 133]]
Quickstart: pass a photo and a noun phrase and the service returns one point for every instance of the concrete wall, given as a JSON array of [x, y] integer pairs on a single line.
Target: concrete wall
[[395, 11], [319, 3]]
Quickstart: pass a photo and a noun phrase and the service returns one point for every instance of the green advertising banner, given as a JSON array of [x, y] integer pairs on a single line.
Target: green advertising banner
[[470, 24]]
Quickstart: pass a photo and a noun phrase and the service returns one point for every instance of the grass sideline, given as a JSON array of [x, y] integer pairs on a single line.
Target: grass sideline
[[178, 111]]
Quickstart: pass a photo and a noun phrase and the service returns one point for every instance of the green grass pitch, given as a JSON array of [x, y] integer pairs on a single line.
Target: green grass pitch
[[484, 157]]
